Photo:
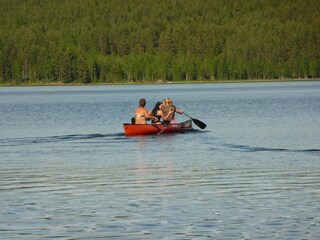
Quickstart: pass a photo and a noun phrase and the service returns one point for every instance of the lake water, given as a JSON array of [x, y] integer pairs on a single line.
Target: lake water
[[68, 172]]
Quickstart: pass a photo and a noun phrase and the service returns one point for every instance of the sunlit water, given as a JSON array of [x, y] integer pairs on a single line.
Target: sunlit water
[[67, 170]]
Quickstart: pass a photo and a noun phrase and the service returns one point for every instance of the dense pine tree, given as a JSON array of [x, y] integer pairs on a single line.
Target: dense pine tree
[[106, 41]]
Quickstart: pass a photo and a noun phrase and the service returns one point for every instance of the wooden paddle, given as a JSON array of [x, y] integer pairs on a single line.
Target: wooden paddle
[[165, 124], [197, 122]]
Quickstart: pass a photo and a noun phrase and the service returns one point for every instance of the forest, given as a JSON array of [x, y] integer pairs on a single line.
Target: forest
[[153, 41]]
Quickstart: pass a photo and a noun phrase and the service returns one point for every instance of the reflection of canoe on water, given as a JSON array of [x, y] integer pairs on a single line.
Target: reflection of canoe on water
[[149, 129]]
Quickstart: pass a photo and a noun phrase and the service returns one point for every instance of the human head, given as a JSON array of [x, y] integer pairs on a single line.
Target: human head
[[167, 102], [142, 102], [157, 106]]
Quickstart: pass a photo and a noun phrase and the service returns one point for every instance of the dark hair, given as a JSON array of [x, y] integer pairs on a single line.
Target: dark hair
[[142, 102], [155, 109]]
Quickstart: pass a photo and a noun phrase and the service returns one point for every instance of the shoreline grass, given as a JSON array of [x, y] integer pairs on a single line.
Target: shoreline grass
[[154, 82]]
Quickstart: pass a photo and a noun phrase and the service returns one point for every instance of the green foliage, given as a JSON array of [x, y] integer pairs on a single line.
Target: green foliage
[[105, 41]]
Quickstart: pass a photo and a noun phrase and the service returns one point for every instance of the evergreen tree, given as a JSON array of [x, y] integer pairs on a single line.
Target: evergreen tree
[[148, 40]]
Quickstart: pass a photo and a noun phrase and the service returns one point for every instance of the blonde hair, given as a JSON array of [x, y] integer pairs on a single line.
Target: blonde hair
[[167, 102]]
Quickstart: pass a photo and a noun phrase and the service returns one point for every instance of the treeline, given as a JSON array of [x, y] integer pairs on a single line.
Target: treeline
[[105, 41]]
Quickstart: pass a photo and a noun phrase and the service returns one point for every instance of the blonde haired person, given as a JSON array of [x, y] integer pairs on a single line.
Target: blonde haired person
[[168, 111]]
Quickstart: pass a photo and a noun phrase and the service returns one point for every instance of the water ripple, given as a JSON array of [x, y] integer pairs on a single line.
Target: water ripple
[[247, 148], [57, 139]]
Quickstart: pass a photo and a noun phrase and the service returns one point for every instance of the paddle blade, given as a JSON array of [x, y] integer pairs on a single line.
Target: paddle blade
[[200, 124]]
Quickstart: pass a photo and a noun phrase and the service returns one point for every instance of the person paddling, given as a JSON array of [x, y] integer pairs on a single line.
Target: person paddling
[[141, 113], [168, 111]]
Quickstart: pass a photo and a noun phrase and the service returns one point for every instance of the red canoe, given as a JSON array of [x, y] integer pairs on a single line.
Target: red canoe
[[149, 129]]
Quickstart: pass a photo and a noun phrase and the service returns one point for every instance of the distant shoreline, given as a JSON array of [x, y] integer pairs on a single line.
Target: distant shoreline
[[156, 83]]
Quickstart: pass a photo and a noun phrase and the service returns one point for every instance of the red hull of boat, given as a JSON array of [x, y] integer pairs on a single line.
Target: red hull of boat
[[149, 129]]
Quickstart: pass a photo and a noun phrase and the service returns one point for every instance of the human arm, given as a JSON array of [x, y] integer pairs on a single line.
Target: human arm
[[149, 115], [180, 111]]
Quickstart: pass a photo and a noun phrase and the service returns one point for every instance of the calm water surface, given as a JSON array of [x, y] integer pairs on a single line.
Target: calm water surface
[[68, 172]]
